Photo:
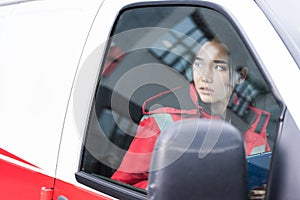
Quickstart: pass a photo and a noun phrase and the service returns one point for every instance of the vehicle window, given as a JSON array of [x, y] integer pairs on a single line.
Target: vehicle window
[[170, 63]]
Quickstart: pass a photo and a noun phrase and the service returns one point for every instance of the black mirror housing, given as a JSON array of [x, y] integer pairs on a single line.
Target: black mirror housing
[[199, 159]]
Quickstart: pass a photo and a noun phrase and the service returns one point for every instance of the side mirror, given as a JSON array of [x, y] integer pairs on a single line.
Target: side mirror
[[199, 159]]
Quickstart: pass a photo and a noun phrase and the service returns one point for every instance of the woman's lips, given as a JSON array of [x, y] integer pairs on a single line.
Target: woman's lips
[[206, 90]]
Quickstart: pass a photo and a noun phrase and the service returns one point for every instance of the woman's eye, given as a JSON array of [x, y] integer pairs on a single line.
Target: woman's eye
[[221, 68], [197, 64]]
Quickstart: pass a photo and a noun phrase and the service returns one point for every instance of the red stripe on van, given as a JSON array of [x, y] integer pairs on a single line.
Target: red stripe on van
[[18, 182], [6, 153]]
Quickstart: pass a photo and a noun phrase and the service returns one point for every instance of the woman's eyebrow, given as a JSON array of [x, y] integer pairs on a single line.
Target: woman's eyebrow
[[220, 62], [198, 58], [215, 61]]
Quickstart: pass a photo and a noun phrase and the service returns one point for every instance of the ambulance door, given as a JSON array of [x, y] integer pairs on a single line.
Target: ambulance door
[[131, 57]]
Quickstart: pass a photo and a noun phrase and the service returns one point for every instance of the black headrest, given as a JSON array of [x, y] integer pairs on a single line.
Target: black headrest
[[198, 159]]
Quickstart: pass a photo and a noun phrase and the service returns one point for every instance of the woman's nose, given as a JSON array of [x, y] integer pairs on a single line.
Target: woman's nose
[[207, 76]]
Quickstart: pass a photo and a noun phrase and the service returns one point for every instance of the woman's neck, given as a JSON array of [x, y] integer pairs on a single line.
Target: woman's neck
[[219, 109]]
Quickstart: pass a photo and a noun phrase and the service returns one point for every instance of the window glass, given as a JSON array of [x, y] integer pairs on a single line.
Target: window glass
[[165, 64]]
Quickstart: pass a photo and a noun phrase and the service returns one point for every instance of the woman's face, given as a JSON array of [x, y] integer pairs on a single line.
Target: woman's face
[[211, 73]]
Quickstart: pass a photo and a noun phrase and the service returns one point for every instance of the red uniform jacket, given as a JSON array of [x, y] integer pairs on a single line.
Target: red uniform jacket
[[136, 162]]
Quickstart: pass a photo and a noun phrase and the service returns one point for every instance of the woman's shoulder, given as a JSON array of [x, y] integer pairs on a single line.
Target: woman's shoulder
[[173, 100]]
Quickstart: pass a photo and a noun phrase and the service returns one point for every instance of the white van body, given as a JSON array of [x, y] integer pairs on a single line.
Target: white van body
[[51, 53], [41, 46]]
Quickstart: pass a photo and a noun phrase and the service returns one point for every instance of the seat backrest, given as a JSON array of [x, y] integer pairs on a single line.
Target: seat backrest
[[186, 163]]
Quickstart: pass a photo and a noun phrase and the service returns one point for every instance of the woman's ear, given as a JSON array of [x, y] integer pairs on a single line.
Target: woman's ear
[[243, 72]]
